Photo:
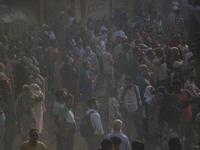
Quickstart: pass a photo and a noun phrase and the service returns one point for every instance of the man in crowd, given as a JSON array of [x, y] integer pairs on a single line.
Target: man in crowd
[[192, 88], [131, 107], [57, 107], [93, 142], [117, 131], [33, 143], [10, 127], [67, 124]]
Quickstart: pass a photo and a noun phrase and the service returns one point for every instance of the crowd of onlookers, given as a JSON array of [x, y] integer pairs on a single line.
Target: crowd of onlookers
[[151, 84]]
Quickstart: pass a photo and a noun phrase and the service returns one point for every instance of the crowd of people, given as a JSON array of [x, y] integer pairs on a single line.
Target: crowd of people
[[151, 85]]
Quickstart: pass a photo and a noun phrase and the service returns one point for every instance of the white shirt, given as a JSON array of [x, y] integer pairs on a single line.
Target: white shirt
[[96, 122], [161, 69]]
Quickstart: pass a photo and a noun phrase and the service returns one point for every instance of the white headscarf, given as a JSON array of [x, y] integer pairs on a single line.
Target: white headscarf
[[35, 88], [147, 94]]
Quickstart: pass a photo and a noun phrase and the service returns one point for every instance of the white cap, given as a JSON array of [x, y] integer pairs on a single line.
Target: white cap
[[103, 28], [44, 25], [175, 8]]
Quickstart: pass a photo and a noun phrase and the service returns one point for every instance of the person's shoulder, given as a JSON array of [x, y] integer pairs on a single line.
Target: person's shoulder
[[124, 136], [25, 143], [108, 135], [42, 145]]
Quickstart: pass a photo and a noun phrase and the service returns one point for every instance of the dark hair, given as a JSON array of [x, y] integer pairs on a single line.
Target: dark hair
[[84, 64], [106, 143], [116, 140], [58, 94], [149, 52], [174, 143], [3, 83], [91, 102], [158, 51], [138, 145], [68, 97], [32, 131], [18, 51], [135, 49], [137, 42], [126, 46], [65, 58]]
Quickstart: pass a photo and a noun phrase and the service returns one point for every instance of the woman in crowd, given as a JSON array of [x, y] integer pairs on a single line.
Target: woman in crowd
[[39, 105], [25, 109]]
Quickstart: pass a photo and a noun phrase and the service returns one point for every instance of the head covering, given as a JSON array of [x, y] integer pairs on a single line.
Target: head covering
[[26, 92], [177, 64], [35, 87], [147, 94], [37, 92], [175, 8], [103, 28], [88, 48]]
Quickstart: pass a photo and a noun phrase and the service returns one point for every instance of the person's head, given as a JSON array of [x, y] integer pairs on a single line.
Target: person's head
[[126, 47], [5, 59], [29, 52], [136, 51], [93, 103], [160, 90], [60, 94], [159, 52], [88, 50], [144, 71], [2, 67], [78, 40], [136, 36], [5, 85], [19, 52], [152, 31], [69, 100], [151, 54], [191, 73], [128, 82], [177, 86], [138, 145], [36, 71], [117, 125], [116, 141], [67, 59], [106, 144], [86, 65], [33, 134], [175, 144], [175, 51]]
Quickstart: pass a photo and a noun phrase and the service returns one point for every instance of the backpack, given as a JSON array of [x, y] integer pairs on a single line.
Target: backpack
[[86, 127]]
